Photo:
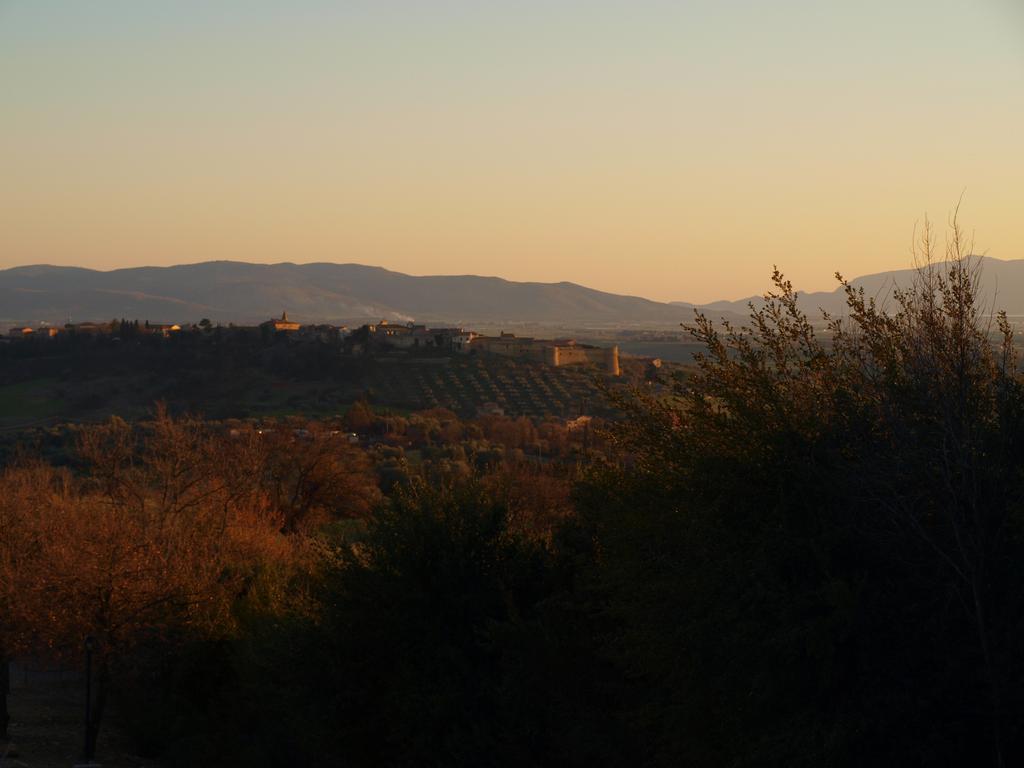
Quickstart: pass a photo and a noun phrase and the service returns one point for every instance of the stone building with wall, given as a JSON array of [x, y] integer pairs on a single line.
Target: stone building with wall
[[553, 352], [557, 352]]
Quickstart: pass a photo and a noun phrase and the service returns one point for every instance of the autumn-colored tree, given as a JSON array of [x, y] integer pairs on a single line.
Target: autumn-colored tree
[[537, 498], [24, 486], [151, 542], [512, 433], [311, 475], [359, 417]]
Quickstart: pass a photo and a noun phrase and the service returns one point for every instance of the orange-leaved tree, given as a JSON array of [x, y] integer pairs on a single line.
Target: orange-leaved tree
[[150, 541]]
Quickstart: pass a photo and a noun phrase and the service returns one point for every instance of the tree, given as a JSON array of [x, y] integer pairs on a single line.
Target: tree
[[438, 642], [537, 497], [315, 476], [23, 486], [151, 543], [809, 548], [359, 417]]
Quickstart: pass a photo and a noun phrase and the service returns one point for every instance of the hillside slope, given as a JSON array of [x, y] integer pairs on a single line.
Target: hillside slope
[[240, 292], [1001, 287]]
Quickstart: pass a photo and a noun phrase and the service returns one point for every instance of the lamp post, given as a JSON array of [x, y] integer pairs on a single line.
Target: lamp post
[[90, 645]]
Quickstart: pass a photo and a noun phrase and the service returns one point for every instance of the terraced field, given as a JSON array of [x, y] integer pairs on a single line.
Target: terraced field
[[464, 385]]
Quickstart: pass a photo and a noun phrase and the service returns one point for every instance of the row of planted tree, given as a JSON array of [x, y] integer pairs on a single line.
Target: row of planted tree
[[811, 555]]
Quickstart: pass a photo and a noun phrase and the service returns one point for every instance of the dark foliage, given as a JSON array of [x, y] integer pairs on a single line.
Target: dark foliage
[[443, 639], [814, 555], [809, 555]]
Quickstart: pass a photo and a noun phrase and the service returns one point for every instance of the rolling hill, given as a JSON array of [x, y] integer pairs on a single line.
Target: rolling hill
[[239, 292], [1001, 286]]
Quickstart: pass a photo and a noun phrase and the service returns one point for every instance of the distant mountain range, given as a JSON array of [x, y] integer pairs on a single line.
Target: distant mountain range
[[239, 292], [1001, 286]]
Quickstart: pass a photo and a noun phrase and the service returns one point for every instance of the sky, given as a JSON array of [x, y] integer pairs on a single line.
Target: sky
[[673, 150]]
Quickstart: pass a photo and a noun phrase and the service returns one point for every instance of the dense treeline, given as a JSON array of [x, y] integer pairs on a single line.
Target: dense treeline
[[809, 555], [220, 372]]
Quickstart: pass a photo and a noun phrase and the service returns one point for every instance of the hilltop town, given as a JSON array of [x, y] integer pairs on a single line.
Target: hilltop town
[[370, 339], [91, 370]]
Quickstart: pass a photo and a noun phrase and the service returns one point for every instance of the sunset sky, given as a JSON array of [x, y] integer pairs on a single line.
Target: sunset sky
[[674, 150]]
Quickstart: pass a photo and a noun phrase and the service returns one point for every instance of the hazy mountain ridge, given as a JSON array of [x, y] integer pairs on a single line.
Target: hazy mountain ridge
[[1001, 287], [242, 292]]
